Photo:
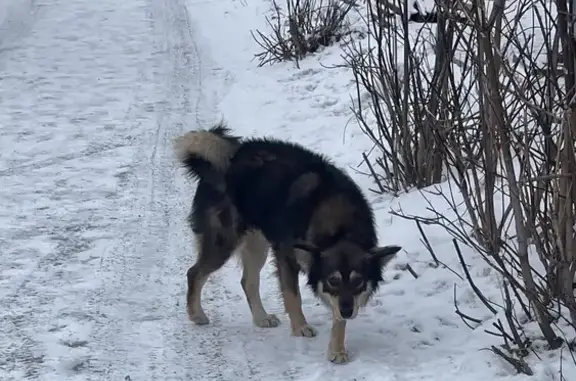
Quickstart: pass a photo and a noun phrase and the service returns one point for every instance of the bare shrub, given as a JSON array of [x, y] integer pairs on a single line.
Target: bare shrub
[[495, 112], [395, 92], [301, 29]]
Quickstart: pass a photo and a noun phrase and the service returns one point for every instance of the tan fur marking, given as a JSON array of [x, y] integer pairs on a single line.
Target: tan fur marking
[[354, 275], [195, 310], [333, 302], [336, 348], [303, 186], [207, 145], [303, 258], [253, 252], [298, 323], [198, 241], [361, 300], [194, 298], [228, 233], [329, 216], [291, 293]]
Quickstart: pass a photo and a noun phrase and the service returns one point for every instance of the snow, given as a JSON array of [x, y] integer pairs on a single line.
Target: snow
[[92, 210]]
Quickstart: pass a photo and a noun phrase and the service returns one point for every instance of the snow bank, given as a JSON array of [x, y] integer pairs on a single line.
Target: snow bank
[[410, 331]]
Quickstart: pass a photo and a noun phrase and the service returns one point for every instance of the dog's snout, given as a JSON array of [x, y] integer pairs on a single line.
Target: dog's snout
[[346, 309]]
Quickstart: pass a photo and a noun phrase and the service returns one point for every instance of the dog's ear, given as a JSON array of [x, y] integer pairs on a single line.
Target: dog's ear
[[305, 254], [382, 255]]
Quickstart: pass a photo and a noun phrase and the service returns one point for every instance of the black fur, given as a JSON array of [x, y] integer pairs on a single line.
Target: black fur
[[260, 192]]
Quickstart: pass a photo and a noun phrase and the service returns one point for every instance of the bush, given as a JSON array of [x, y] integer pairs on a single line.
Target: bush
[[306, 26], [494, 112], [394, 90]]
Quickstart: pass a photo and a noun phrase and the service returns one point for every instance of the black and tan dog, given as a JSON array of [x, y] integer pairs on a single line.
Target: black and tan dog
[[257, 193]]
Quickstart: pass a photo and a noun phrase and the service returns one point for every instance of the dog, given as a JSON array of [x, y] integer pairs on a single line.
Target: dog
[[260, 193]]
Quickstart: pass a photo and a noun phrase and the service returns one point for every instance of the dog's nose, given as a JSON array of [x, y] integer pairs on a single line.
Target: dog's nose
[[346, 310]]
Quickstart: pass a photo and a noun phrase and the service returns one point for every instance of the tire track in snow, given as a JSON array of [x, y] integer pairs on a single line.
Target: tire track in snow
[[93, 150], [103, 298], [28, 299], [156, 341], [198, 350]]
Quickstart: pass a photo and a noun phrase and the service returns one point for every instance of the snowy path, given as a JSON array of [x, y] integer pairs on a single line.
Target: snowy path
[[93, 242], [94, 248]]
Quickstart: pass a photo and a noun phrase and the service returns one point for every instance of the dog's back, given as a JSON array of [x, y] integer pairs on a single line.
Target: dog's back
[[290, 192], [280, 188]]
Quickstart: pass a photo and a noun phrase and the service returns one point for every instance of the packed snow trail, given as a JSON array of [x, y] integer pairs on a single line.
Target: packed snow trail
[[93, 241], [92, 213]]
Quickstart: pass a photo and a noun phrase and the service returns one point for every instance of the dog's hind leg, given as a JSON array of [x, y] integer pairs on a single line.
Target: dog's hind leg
[[254, 252], [288, 277], [214, 250]]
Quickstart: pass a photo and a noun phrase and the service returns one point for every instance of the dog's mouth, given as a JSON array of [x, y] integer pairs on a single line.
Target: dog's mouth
[[347, 310], [344, 308]]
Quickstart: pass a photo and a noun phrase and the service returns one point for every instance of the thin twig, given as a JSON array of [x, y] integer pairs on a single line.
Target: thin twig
[[411, 271], [427, 243], [373, 173], [465, 318], [519, 364], [470, 280]]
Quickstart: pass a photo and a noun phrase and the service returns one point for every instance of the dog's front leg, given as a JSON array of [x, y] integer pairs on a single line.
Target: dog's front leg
[[293, 305], [336, 349], [288, 277]]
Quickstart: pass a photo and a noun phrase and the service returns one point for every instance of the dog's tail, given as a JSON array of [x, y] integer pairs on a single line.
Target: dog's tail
[[206, 154]]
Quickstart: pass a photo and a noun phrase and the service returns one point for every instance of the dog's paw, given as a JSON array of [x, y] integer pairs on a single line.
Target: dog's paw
[[268, 321], [305, 331], [198, 317], [340, 357]]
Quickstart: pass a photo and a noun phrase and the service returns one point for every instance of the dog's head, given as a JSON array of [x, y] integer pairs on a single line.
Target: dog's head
[[344, 276]]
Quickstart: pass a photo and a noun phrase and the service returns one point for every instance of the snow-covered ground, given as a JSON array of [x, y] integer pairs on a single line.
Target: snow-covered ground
[[93, 241]]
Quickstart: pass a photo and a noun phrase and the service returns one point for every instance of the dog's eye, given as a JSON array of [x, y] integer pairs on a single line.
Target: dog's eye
[[334, 281], [357, 282]]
